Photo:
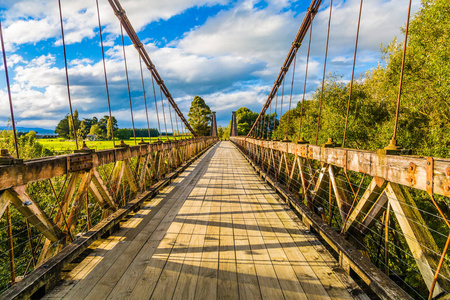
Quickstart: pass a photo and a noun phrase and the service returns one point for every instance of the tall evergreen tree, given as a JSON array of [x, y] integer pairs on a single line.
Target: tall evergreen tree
[[200, 117]]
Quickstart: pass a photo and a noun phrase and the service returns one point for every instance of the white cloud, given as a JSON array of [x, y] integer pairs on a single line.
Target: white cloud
[[231, 60], [28, 21]]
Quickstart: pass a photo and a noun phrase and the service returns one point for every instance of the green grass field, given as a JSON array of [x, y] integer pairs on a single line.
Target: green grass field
[[66, 146]]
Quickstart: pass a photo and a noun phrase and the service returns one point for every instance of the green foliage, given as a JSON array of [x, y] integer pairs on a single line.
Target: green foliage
[[245, 119], [96, 129], [65, 129], [108, 129], [200, 117], [27, 144], [100, 128], [224, 132], [424, 120], [123, 134]]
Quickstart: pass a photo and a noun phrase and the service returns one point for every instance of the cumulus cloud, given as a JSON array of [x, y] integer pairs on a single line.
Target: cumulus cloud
[[28, 21], [231, 60]]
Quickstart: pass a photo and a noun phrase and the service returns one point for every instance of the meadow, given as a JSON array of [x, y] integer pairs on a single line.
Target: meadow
[[61, 146]]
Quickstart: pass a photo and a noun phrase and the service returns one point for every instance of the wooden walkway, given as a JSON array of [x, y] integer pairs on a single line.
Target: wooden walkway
[[216, 232]]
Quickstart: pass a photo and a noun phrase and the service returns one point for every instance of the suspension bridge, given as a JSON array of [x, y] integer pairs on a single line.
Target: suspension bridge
[[198, 218]]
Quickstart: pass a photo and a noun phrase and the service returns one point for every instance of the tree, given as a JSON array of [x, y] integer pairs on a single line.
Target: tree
[[82, 131], [200, 117], [97, 130], [108, 129], [245, 119], [64, 128], [123, 134]]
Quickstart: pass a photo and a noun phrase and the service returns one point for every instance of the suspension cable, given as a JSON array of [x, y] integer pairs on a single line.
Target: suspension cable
[[164, 114], [268, 125], [300, 137], [171, 122], [353, 74], [290, 98], [67, 74], [401, 72], [121, 15], [128, 83], [263, 123], [275, 117], [145, 98], [9, 92], [266, 128], [281, 104], [104, 71], [156, 107], [324, 70], [309, 17], [178, 129]]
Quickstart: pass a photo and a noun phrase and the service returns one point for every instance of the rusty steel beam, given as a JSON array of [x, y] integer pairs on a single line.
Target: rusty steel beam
[[306, 24], [121, 15]]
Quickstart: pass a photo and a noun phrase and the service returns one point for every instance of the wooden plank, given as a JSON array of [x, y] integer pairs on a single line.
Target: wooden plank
[[376, 186], [317, 278], [100, 192], [33, 213], [374, 213], [419, 238], [130, 177], [166, 285], [4, 202], [208, 273], [343, 202], [186, 285], [268, 281], [227, 285], [287, 278], [99, 248], [122, 278], [371, 275], [41, 276], [123, 274], [245, 267], [72, 220], [155, 254]]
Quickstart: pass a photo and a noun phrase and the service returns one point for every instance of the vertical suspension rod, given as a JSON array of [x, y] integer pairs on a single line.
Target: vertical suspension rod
[[310, 14], [104, 71], [9, 92], [353, 74], [121, 15], [67, 74], [304, 85], [324, 70], [145, 98], [401, 72], [128, 83]]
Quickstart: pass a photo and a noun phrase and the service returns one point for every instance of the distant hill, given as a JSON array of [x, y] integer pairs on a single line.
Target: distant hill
[[36, 129]]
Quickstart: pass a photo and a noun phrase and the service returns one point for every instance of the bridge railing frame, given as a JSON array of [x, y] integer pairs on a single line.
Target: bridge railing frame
[[136, 174], [279, 162]]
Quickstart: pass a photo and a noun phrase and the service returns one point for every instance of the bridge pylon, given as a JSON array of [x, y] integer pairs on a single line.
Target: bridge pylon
[[233, 125], [214, 125]]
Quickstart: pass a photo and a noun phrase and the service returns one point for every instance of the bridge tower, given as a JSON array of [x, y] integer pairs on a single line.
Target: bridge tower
[[214, 125], [233, 125]]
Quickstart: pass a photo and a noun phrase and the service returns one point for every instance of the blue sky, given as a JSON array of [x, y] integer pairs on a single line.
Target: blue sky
[[227, 52]]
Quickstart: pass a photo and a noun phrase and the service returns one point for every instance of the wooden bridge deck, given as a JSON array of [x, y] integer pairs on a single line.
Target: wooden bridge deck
[[217, 231]]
